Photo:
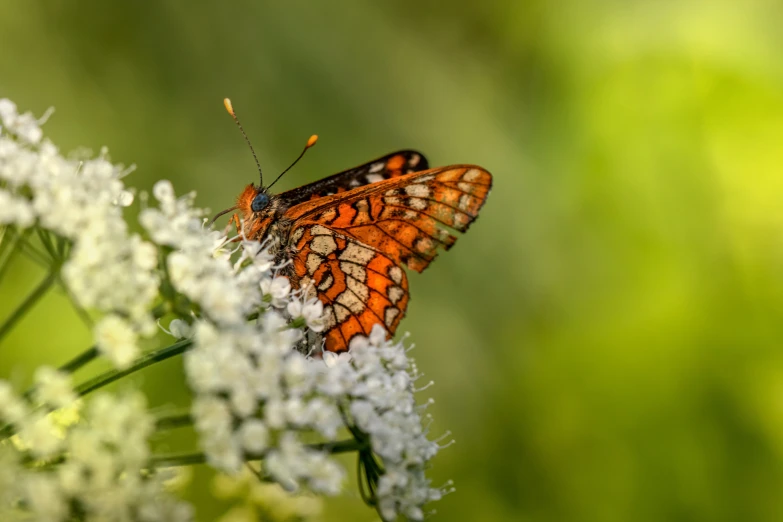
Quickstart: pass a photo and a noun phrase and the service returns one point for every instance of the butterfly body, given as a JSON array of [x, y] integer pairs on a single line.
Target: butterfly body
[[346, 238]]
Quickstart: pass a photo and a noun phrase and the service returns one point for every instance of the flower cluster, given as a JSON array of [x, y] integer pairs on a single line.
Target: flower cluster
[[81, 202], [262, 389], [80, 462]]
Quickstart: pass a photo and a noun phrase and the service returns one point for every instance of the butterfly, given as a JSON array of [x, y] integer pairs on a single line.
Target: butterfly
[[349, 237]]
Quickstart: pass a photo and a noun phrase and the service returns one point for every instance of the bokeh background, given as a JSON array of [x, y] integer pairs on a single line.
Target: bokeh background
[[606, 340]]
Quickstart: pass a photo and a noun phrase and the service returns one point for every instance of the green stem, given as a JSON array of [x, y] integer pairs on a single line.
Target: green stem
[[69, 367], [151, 358], [110, 376], [28, 303], [188, 459], [80, 360], [46, 240], [33, 253], [168, 422], [7, 250]]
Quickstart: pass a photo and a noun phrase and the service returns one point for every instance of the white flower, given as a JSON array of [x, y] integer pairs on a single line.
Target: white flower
[[116, 340], [7, 111], [332, 359], [292, 465], [12, 408], [38, 434], [311, 310], [180, 329], [44, 497], [254, 436], [15, 210], [163, 192], [276, 290], [53, 387]]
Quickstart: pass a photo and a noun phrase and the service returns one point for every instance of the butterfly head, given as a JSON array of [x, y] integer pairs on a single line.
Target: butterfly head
[[260, 201], [255, 202], [257, 206]]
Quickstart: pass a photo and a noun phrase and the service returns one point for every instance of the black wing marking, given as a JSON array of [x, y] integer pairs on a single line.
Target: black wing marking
[[389, 166]]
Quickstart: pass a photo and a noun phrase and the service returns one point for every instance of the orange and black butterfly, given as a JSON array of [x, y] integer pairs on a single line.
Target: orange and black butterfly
[[349, 236]]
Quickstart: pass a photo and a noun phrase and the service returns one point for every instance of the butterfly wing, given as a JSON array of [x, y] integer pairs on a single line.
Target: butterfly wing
[[358, 286], [389, 166], [351, 246]]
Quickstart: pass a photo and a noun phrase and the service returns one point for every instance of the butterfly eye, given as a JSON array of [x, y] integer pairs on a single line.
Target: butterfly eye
[[259, 202]]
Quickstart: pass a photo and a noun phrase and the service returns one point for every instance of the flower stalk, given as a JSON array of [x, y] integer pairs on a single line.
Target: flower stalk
[[188, 459], [111, 376], [27, 304]]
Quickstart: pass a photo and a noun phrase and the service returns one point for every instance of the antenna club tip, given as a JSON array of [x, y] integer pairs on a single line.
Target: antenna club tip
[[312, 140], [229, 107]]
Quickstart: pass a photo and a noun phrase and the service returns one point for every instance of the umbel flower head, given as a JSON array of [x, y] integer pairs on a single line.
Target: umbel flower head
[[262, 391]]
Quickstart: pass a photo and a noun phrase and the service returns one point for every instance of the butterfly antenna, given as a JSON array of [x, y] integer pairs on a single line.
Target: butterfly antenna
[[230, 109], [310, 142]]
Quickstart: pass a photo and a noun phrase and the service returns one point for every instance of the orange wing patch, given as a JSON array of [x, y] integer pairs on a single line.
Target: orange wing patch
[[359, 286], [408, 218]]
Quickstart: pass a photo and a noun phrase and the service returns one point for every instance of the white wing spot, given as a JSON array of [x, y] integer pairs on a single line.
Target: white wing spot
[[358, 288], [472, 175], [424, 245], [395, 294], [377, 167], [389, 315], [354, 183], [374, 178], [313, 262], [329, 215], [465, 187], [297, 235], [395, 273], [460, 219], [464, 202], [310, 292], [415, 159], [357, 254], [428, 177], [350, 301], [319, 230], [418, 203], [417, 190], [323, 245], [342, 313], [392, 200], [356, 271], [411, 214], [329, 320]]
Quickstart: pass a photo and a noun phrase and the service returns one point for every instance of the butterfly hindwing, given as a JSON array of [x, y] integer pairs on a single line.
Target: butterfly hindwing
[[390, 166], [358, 286], [351, 246]]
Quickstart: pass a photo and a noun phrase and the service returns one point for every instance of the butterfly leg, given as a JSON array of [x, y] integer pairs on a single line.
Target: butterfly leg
[[238, 223]]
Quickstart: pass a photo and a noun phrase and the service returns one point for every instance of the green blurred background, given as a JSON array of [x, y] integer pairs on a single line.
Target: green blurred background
[[605, 341]]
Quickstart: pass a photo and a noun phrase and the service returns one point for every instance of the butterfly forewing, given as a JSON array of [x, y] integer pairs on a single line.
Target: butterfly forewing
[[390, 166], [351, 245]]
